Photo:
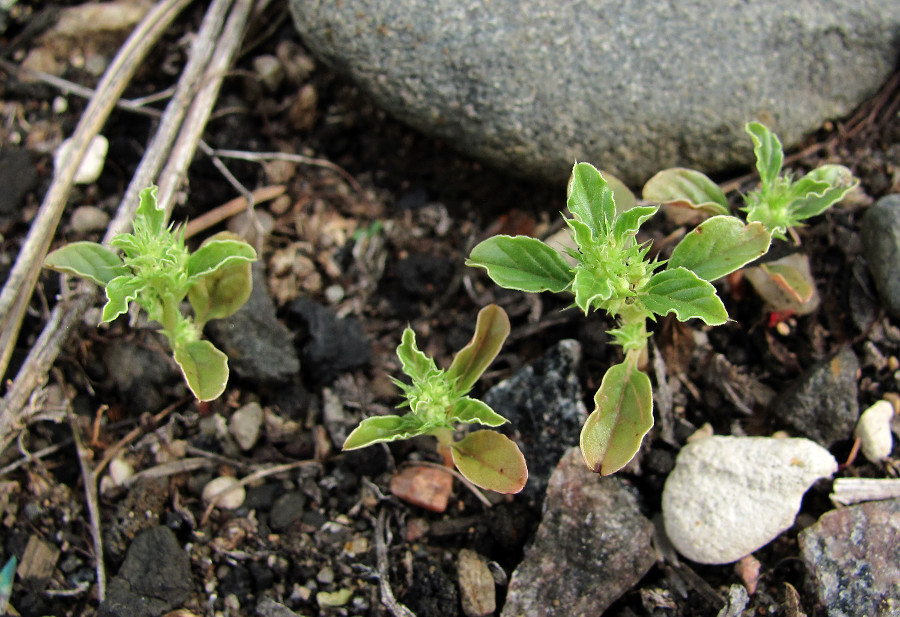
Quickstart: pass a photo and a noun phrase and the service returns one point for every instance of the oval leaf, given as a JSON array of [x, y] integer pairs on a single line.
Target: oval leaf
[[491, 330], [88, 260], [221, 293], [522, 263], [719, 246], [590, 199], [786, 284], [205, 368], [492, 461], [378, 429], [768, 151], [469, 411], [216, 254], [682, 292], [623, 414], [686, 188]]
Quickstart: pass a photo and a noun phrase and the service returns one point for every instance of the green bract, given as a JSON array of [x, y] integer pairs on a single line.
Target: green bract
[[157, 272], [438, 401], [612, 273]]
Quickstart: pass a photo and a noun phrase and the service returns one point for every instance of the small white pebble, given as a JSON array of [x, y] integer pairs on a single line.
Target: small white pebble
[[120, 471], [60, 105], [91, 165], [874, 431], [231, 500], [334, 294]]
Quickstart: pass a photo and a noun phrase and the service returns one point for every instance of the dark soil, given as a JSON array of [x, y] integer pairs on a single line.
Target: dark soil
[[423, 206]]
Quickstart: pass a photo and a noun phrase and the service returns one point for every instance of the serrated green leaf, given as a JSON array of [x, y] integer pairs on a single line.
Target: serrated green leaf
[[820, 189], [492, 461], [522, 263], [769, 152], [680, 291], [628, 223], [590, 289], [623, 414], [470, 411], [381, 429], [205, 368], [120, 291], [590, 200], [720, 245], [491, 330], [686, 188], [213, 255], [149, 214], [415, 363], [87, 260]]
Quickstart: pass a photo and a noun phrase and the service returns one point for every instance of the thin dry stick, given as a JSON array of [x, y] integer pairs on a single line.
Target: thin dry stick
[[134, 434], [381, 560], [231, 208], [67, 313], [260, 157], [19, 286], [195, 121], [253, 477], [90, 491]]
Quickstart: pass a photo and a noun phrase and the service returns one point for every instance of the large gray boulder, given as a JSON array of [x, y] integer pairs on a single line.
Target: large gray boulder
[[628, 85]]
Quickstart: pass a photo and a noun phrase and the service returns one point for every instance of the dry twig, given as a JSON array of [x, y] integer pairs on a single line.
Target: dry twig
[[384, 582]]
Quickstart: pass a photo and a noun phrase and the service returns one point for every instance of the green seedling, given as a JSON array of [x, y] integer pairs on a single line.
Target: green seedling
[[781, 204], [158, 272], [438, 402], [612, 273]]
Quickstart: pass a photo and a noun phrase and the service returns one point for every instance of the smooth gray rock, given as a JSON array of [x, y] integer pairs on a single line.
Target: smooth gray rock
[[543, 403], [259, 347], [853, 557], [729, 496], [822, 403], [155, 577], [593, 545], [880, 230], [630, 86]]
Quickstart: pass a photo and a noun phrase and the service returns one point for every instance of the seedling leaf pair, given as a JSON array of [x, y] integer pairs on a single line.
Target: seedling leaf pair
[[158, 273], [438, 401]]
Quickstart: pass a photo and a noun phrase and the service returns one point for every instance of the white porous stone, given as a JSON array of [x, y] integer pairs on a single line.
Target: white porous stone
[[91, 165], [729, 496], [245, 425], [231, 500], [874, 431]]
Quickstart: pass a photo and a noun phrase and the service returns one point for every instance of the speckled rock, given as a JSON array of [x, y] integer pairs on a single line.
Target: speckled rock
[[880, 230], [594, 533], [155, 577], [822, 403], [630, 86], [853, 557], [729, 496], [543, 403]]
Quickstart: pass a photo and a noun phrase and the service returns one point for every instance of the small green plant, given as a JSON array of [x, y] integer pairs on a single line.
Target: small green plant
[[613, 273], [438, 402], [158, 272], [781, 204]]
